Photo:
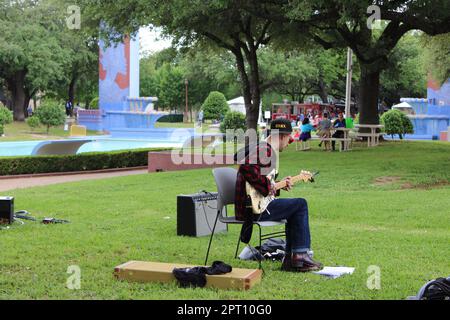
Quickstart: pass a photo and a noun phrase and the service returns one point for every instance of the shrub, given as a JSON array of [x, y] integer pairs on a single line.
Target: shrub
[[77, 162], [233, 120], [215, 106], [6, 116], [396, 122], [94, 103], [172, 118], [33, 122], [51, 114]]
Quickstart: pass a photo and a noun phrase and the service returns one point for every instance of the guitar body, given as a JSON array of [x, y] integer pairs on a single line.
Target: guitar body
[[259, 203]]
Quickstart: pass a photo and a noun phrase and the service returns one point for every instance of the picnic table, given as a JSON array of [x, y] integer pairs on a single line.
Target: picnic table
[[373, 137], [344, 142]]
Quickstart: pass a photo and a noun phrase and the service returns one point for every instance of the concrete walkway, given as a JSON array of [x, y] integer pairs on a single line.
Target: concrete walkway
[[21, 183]]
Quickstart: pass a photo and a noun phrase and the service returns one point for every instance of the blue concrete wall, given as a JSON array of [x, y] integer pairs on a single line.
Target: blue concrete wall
[[439, 99], [432, 114]]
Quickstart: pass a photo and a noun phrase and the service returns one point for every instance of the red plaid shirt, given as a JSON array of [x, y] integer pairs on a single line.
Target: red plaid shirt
[[254, 168]]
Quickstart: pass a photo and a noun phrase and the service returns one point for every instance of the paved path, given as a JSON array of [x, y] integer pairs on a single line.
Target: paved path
[[20, 183]]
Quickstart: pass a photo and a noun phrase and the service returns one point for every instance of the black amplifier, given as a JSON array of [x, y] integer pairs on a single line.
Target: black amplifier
[[196, 214], [6, 210]]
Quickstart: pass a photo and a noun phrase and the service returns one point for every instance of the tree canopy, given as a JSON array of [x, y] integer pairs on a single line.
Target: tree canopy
[[39, 53]]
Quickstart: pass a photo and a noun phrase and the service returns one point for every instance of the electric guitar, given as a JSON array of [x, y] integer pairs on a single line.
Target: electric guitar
[[259, 203]]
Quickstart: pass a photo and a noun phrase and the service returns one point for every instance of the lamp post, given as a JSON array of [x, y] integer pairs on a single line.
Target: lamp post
[[348, 91], [186, 82]]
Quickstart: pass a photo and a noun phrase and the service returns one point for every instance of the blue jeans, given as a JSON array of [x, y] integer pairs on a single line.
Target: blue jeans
[[295, 211]]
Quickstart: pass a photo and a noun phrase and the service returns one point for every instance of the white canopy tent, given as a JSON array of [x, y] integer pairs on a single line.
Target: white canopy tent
[[404, 107], [238, 104]]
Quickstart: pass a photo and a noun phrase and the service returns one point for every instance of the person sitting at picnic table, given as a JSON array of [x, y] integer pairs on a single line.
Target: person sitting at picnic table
[[338, 123], [305, 129], [324, 130]]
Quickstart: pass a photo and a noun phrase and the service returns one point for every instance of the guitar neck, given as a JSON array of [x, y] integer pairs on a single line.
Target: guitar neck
[[282, 184]]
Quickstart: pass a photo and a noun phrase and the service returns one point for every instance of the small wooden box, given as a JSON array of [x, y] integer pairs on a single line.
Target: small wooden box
[[141, 271]]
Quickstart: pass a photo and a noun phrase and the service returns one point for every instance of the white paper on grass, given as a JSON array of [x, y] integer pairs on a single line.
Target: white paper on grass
[[335, 272]]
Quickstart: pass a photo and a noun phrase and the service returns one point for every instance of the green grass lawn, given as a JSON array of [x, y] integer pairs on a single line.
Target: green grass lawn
[[20, 131], [401, 227]]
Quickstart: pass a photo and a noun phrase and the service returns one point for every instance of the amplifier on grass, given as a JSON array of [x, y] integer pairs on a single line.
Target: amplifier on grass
[[196, 214], [6, 210]]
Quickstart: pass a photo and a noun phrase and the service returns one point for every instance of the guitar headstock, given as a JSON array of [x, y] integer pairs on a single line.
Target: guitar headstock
[[306, 176]]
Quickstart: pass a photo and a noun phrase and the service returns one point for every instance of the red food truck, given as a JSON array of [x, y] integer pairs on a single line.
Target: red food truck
[[293, 112]]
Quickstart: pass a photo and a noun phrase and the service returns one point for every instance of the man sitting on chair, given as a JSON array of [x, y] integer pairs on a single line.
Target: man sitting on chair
[[256, 163]]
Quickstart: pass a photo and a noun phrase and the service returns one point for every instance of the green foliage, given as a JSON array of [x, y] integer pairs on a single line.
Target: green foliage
[[396, 122], [300, 73], [437, 56], [51, 114], [405, 75], [33, 122], [39, 53], [233, 120], [209, 70], [171, 88], [173, 118], [68, 163], [94, 103], [5, 115], [215, 106]]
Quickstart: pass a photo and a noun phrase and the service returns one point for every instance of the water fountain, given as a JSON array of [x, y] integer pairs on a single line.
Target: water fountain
[[122, 113], [431, 120]]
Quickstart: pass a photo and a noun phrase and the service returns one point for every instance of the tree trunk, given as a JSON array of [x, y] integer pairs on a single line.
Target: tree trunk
[[26, 104], [246, 91], [323, 93], [72, 93], [253, 111], [72, 90], [368, 95], [16, 85]]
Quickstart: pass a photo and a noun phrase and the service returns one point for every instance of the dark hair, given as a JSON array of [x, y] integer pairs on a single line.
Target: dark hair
[[305, 121], [325, 115]]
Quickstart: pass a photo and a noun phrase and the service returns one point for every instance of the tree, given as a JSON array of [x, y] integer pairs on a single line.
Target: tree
[[80, 76], [51, 114], [209, 70], [215, 106], [347, 23], [405, 75], [171, 87], [222, 23], [30, 55], [437, 56], [300, 73]]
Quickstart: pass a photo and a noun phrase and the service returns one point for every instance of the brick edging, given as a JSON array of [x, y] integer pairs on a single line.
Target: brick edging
[[53, 174]]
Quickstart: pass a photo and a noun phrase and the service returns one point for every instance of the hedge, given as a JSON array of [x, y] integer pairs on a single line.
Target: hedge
[[171, 118], [77, 162]]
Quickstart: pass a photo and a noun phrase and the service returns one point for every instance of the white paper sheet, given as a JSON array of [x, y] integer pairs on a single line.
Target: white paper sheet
[[335, 272]]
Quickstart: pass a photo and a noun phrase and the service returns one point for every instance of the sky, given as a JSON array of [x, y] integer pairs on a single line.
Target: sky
[[150, 40]]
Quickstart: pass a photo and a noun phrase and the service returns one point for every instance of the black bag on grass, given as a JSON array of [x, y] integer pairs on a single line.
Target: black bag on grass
[[438, 289]]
